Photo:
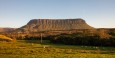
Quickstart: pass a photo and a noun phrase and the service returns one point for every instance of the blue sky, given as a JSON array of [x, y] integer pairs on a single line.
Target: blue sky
[[97, 13]]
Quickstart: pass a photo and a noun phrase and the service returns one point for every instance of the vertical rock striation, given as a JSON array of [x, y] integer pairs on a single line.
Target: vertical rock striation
[[37, 25]]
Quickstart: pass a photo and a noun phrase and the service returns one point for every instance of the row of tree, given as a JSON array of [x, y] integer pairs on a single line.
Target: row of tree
[[75, 39], [99, 37], [87, 40]]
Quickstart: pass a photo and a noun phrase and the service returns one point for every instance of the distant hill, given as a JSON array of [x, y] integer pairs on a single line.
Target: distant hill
[[37, 25], [7, 29]]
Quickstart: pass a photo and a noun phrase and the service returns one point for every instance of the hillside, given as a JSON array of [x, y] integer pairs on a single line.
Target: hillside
[[7, 29], [5, 38]]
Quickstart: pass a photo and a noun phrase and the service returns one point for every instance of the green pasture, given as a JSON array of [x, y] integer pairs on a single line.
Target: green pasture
[[35, 49]]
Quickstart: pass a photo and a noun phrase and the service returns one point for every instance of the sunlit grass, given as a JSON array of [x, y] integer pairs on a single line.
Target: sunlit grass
[[5, 38], [33, 49]]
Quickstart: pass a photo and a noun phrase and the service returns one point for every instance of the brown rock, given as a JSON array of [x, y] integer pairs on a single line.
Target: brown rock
[[37, 25]]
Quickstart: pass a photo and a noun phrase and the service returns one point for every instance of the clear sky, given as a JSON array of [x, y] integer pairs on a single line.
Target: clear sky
[[97, 13]]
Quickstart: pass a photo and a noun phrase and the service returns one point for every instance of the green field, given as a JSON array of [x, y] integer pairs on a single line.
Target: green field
[[33, 49]]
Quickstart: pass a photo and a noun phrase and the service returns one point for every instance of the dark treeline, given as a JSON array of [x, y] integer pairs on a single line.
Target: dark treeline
[[99, 37], [86, 40], [75, 39]]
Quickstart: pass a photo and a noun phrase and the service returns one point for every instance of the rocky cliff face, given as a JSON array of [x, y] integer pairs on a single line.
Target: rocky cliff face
[[37, 25]]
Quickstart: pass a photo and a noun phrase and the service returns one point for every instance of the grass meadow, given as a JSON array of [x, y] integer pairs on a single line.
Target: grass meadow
[[35, 49]]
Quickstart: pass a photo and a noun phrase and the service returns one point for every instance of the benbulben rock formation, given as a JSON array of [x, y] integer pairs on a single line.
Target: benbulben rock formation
[[37, 25]]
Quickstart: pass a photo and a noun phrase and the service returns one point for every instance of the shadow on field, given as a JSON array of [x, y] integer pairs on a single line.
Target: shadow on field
[[44, 42], [79, 49]]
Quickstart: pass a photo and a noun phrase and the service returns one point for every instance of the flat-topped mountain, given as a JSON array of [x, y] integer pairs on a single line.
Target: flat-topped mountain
[[37, 25]]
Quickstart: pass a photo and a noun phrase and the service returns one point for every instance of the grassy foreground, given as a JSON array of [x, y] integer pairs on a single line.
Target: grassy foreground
[[33, 49]]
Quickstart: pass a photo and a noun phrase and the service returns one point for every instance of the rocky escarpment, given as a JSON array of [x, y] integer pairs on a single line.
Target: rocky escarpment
[[37, 25]]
